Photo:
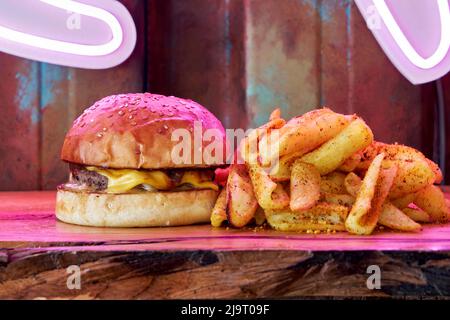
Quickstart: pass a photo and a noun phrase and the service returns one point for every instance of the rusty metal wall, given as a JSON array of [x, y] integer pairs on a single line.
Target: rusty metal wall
[[240, 58]]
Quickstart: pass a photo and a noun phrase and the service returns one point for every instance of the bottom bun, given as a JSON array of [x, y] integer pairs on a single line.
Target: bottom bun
[[144, 209]]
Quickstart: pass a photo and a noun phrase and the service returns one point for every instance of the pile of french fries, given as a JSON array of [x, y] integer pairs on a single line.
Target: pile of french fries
[[323, 172]]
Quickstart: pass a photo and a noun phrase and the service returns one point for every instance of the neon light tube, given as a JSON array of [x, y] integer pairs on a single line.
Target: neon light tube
[[69, 47], [405, 45]]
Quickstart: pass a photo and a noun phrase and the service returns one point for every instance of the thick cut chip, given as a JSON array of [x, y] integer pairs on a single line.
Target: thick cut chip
[[412, 176], [321, 217], [276, 114], [241, 199], [260, 216], [417, 214], [404, 201], [303, 134], [281, 171], [219, 212], [431, 199], [270, 195], [341, 199], [305, 186], [249, 147], [352, 183], [394, 218], [415, 171], [333, 183], [351, 163], [333, 153], [375, 186]]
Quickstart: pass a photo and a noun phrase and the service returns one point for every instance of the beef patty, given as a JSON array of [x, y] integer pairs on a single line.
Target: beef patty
[[97, 182], [92, 179]]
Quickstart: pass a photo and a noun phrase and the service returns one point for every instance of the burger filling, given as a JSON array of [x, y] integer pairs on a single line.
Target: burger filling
[[124, 180]]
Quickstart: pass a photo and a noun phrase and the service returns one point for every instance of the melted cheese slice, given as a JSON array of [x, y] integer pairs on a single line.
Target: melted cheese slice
[[123, 180]]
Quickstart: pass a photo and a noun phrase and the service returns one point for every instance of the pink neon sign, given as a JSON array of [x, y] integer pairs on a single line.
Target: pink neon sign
[[414, 34], [93, 34]]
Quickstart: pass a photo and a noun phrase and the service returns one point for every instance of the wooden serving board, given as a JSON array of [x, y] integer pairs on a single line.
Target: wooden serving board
[[203, 262]]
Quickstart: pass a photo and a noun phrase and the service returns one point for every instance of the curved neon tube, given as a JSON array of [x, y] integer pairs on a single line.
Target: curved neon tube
[[405, 45], [69, 47]]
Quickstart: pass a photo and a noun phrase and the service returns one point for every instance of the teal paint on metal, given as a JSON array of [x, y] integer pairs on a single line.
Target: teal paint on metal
[[27, 90], [313, 3], [348, 14], [326, 8], [325, 12], [51, 75], [266, 99], [269, 72], [228, 43]]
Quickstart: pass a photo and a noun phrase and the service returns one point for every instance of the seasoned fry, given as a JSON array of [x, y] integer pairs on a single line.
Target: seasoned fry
[[351, 163], [341, 199], [305, 186], [321, 217], [332, 154], [352, 184], [411, 177], [321, 157], [333, 183], [363, 216], [437, 171], [276, 114], [385, 179], [219, 212], [404, 201], [431, 199], [241, 199], [270, 195], [249, 148], [417, 214], [281, 171], [394, 218], [414, 170], [305, 133], [260, 216], [447, 203], [391, 152], [368, 154]]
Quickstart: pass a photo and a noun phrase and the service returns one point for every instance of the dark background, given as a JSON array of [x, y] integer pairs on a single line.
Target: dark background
[[239, 58]]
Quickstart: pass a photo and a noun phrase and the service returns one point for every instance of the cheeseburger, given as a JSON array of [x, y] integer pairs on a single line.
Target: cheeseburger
[[122, 169]]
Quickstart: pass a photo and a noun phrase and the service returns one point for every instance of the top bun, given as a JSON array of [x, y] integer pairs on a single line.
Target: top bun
[[134, 131]]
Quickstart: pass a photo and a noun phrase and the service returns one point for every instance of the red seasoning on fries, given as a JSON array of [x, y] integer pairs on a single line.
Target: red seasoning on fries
[[324, 172]]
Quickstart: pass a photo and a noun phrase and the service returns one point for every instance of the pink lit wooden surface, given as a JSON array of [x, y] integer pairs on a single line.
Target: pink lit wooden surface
[[27, 221]]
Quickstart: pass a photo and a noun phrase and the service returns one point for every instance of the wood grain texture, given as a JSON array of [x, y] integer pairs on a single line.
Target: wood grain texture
[[202, 262], [211, 275]]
